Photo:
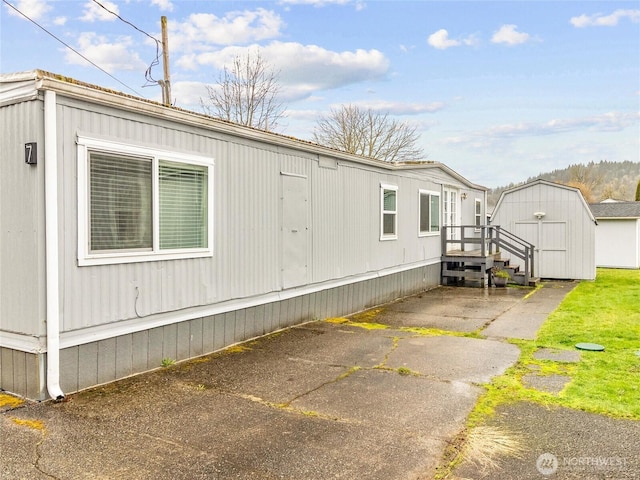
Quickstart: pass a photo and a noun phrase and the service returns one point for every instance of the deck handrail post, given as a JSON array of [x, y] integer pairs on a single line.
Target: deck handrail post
[[483, 240]]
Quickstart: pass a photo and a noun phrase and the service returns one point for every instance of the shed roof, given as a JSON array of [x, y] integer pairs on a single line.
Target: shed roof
[[21, 86], [616, 209], [549, 184]]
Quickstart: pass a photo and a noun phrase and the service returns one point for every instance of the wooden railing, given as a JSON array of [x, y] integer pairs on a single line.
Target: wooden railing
[[489, 239]]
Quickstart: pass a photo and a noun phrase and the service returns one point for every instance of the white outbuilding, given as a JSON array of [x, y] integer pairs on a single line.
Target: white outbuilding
[[557, 220], [618, 234]]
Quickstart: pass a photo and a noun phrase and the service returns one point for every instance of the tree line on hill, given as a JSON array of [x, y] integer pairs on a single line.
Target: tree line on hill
[[597, 181]]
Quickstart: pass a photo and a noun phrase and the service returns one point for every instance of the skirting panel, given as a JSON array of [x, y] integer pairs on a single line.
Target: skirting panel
[[91, 364]]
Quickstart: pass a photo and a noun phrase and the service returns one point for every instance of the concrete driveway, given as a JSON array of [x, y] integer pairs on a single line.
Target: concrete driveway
[[378, 397]]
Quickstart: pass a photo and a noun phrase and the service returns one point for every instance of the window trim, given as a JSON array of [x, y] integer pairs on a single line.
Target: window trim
[[383, 212], [85, 256], [431, 193]]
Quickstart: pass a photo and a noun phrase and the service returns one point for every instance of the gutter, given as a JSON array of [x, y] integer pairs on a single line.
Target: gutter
[[51, 246]]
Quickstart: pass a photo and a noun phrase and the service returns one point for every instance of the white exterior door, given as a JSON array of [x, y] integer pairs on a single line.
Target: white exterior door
[[451, 212], [295, 230]]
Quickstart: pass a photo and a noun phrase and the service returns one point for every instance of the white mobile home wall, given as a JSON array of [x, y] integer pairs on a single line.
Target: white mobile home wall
[[120, 319], [564, 233]]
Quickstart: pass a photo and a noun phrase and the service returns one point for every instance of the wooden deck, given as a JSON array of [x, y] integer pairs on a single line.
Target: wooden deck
[[471, 251]]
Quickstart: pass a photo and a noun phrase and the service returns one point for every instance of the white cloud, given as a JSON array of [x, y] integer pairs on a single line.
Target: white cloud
[[202, 30], [401, 108], [60, 21], [111, 56], [163, 5], [606, 122], [441, 40], [318, 3], [508, 34], [94, 12], [34, 9], [600, 20], [304, 69]]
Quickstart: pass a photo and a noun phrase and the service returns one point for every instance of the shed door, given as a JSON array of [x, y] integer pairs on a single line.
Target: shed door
[[295, 230], [550, 252]]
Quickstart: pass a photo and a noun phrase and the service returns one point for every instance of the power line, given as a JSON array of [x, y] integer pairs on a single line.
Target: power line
[[156, 61], [71, 48]]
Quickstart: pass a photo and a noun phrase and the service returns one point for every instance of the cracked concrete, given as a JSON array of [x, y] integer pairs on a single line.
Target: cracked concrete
[[322, 400]]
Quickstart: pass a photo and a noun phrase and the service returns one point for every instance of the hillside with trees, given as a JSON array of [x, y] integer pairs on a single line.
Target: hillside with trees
[[597, 181]]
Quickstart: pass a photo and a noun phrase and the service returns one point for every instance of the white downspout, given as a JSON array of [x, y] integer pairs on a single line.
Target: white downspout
[[51, 245]]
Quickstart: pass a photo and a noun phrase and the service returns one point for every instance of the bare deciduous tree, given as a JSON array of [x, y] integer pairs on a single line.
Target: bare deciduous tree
[[248, 93], [365, 132]]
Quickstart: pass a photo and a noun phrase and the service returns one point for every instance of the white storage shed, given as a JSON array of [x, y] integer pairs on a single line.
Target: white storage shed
[[557, 220]]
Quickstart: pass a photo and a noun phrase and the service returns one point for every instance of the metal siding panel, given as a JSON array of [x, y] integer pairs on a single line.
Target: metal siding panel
[[69, 365], [170, 341], [124, 355], [183, 340], [140, 351], [208, 334], [87, 365], [240, 325], [219, 337], [6, 374], [104, 294], [34, 385], [250, 323], [106, 360], [22, 279], [155, 352], [196, 338], [229, 328]]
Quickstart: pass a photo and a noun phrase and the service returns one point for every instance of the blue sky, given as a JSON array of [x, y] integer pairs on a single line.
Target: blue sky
[[499, 91]]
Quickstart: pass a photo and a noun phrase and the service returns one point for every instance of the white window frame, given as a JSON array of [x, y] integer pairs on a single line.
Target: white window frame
[[477, 216], [431, 193], [383, 212], [85, 256]]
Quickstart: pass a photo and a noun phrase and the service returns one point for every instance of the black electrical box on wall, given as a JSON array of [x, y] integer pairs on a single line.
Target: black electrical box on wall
[[31, 153]]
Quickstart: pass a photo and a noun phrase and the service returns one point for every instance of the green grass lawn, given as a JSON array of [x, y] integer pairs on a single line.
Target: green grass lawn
[[605, 311]]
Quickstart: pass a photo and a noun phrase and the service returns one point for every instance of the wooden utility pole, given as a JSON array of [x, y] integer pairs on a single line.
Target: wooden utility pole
[[166, 83]]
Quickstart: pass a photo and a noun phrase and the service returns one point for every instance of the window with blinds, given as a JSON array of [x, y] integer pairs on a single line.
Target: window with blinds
[[141, 204], [120, 203], [429, 212], [183, 205], [389, 212]]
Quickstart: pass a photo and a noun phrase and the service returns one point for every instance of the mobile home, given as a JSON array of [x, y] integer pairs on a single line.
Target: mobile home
[[134, 232]]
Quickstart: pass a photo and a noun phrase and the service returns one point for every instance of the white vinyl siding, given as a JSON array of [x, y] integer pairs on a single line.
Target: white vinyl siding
[[389, 212], [139, 204], [429, 213]]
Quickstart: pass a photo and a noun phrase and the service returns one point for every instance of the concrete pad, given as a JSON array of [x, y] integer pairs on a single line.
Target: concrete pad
[[546, 383], [557, 355], [516, 324], [417, 405], [427, 320], [454, 358], [584, 445]]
